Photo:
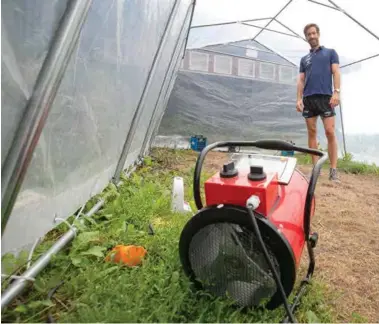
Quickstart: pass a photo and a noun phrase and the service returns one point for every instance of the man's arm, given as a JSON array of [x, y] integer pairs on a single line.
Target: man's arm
[[334, 61], [300, 91], [336, 75], [300, 86]]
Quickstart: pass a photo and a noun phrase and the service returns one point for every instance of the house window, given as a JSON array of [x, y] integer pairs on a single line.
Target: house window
[[250, 52], [286, 74], [222, 64], [246, 68], [267, 71], [199, 61]]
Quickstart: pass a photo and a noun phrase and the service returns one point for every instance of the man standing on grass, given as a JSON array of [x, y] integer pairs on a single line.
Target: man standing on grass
[[319, 71]]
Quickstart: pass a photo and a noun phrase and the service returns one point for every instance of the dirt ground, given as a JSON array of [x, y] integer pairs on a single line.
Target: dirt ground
[[347, 254]]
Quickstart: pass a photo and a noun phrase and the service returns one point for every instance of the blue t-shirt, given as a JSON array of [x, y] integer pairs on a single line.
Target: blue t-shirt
[[317, 66]]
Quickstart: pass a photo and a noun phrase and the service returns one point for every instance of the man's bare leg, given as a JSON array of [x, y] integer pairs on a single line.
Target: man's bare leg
[[312, 136], [329, 126]]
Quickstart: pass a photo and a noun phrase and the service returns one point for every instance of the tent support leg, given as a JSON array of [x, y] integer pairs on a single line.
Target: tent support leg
[[189, 27], [343, 130]]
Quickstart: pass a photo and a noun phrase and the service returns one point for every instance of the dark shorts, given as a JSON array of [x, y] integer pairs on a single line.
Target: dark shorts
[[318, 105]]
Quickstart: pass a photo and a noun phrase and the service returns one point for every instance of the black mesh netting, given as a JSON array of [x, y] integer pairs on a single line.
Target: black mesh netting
[[227, 259]]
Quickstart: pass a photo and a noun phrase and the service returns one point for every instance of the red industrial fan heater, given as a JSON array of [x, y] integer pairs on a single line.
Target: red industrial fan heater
[[248, 240]]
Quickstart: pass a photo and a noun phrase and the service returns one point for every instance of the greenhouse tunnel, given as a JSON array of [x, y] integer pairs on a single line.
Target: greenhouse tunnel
[[89, 87]]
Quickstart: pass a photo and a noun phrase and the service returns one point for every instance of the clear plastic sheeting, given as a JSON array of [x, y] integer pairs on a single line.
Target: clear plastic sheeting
[[361, 112], [227, 108], [85, 131], [237, 96], [27, 27], [166, 88], [175, 38], [160, 113], [238, 82]]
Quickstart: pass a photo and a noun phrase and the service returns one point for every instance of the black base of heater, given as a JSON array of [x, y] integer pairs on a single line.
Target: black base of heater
[[239, 216]]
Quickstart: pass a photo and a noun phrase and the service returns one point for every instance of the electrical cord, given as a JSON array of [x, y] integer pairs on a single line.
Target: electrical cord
[[50, 318], [250, 209]]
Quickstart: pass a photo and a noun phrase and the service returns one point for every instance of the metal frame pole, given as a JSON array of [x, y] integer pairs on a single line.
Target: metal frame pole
[[353, 19], [229, 23], [271, 30], [190, 23], [19, 284], [138, 111], [343, 128], [291, 30], [39, 105], [336, 7], [359, 61], [165, 101], [173, 56], [272, 19], [323, 4]]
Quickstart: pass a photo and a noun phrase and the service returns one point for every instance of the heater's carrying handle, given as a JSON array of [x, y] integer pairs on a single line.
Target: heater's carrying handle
[[277, 145]]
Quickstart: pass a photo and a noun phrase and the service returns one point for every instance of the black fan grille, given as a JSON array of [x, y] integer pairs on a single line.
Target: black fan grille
[[228, 260]]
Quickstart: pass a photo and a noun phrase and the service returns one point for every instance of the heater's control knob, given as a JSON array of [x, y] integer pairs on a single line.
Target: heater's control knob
[[256, 173], [228, 170]]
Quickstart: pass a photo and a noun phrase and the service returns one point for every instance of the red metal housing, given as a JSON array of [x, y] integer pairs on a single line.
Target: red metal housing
[[282, 204]]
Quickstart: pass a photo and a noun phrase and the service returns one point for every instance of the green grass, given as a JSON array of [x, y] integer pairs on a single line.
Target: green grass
[[157, 291], [345, 164]]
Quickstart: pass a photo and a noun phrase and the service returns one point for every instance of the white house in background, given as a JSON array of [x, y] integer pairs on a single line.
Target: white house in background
[[244, 59]]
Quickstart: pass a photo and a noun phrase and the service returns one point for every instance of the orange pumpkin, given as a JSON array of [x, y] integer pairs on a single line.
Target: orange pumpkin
[[130, 255]]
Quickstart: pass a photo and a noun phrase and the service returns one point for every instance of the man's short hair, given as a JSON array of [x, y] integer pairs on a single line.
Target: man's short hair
[[310, 26]]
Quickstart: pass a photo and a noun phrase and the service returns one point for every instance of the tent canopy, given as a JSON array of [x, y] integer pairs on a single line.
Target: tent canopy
[[348, 26], [251, 108], [353, 32]]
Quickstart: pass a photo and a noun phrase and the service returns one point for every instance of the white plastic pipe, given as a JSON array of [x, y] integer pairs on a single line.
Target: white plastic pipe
[[18, 285], [177, 201]]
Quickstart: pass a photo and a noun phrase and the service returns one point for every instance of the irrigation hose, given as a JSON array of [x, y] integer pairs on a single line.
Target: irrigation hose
[[271, 265]]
